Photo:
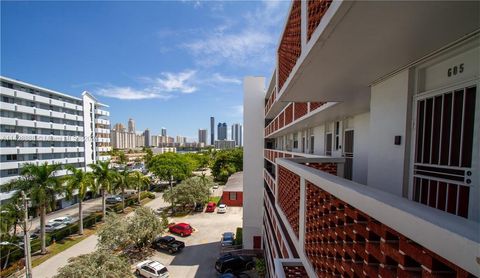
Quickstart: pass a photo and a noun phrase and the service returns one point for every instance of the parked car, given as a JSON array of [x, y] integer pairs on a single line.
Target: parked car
[[130, 193], [113, 199], [215, 186], [52, 227], [151, 269], [182, 229], [210, 207], [228, 239], [222, 208], [169, 244], [64, 220], [229, 263], [199, 207], [162, 210]]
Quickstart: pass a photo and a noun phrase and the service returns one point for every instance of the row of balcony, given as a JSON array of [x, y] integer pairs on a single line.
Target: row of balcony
[[102, 121], [39, 137], [18, 164], [102, 130], [39, 124], [37, 98], [341, 227], [39, 111], [292, 114], [101, 112], [39, 150]]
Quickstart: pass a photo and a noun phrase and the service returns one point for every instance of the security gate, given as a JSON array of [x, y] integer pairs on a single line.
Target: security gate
[[444, 157]]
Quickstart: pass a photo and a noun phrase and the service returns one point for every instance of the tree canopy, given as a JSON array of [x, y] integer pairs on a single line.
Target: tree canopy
[[191, 191], [168, 165], [101, 263], [227, 162]]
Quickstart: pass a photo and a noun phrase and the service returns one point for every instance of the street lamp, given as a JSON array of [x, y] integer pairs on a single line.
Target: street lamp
[[26, 238]]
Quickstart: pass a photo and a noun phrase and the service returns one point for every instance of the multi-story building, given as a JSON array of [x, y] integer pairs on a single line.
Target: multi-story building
[[224, 144], [222, 131], [131, 125], [148, 139], [139, 140], [164, 132], [212, 131], [237, 134], [202, 136], [39, 125], [181, 140], [368, 152], [121, 138]]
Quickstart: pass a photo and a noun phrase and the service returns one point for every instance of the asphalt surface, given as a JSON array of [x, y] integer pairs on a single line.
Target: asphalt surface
[[196, 260]]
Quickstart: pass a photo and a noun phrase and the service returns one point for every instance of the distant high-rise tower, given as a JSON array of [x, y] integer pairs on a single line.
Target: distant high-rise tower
[[212, 131], [164, 131], [131, 125], [237, 134], [222, 131], [146, 133], [202, 136]]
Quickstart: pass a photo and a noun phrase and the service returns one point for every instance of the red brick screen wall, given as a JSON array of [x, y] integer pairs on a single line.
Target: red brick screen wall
[[294, 271], [289, 114], [291, 46], [289, 196], [316, 10], [315, 105], [301, 109], [330, 168], [341, 240]]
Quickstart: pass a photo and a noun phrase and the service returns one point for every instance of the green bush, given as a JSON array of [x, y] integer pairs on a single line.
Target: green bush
[[147, 194], [239, 236], [215, 199]]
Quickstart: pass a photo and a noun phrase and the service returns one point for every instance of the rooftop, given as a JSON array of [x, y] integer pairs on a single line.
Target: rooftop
[[235, 182]]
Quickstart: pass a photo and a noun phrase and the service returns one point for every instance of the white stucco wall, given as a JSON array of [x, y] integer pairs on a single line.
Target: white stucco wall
[[253, 120], [388, 114], [87, 128], [360, 147]]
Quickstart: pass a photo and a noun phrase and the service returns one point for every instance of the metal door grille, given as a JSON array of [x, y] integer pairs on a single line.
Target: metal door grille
[[443, 154]]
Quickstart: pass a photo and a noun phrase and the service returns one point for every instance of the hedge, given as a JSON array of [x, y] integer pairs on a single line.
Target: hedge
[[36, 245]]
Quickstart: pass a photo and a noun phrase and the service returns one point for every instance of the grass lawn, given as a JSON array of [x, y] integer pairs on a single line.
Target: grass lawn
[[60, 246], [214, 199]]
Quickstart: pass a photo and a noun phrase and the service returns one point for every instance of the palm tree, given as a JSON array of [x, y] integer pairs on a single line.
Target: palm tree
[[122, 181], [41, 185], [140, 181], [79, 181], [103, 176]]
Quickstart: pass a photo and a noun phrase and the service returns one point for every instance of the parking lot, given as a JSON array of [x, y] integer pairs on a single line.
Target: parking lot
[[203, 246]]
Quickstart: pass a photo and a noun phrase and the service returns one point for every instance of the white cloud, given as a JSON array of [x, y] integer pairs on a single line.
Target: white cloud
[[217, 77], [237, 110], [252, 43], [163, 87]]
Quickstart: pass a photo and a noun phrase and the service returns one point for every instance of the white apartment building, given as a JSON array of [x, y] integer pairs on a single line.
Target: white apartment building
[[40, 125], [121, 138], [362, 150], [224, 144], [236, 134]]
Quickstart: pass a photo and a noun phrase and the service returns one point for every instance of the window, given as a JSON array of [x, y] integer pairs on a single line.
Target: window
[[11, 157], [232, 196], [337, 135]]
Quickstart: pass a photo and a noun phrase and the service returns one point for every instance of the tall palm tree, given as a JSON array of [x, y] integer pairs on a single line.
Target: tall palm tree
[[103, 176], [41, 185], [79, 181], [121, 181], [140, 181]]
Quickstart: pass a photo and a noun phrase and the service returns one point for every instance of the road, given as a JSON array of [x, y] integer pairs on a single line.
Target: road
[[196, 260]]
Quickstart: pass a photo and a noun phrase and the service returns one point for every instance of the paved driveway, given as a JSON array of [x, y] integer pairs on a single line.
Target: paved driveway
[[203, 246]]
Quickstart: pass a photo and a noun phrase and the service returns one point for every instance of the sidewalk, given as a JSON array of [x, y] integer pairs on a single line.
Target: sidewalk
[[49, 268]]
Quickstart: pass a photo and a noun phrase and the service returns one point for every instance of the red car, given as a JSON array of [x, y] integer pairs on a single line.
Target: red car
[[210, 207], [182, 229]]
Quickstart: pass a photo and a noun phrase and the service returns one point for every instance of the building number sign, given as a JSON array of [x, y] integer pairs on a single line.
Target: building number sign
[[455, 70]]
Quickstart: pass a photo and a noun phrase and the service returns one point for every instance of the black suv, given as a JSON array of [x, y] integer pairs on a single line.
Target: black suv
[[229, 263], [168, 243]]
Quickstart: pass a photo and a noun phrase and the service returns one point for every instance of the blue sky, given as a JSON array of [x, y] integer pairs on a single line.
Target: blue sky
[[165, 64]]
